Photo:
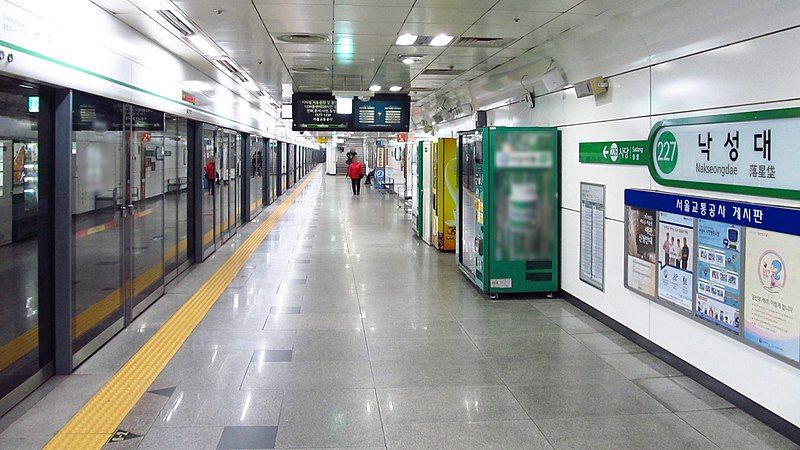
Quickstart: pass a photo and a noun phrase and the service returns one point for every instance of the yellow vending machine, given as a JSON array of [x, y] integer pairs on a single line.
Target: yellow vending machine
[[444, 192]]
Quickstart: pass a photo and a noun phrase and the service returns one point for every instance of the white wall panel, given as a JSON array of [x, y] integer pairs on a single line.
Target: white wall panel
[[759, 70], [771, 383], [623, 305], [616, 178]]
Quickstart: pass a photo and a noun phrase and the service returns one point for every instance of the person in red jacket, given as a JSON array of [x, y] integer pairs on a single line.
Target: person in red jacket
[[355, 171], [211, 174]]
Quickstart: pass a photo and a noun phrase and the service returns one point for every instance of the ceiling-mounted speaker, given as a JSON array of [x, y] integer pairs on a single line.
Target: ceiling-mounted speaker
[[480, 119], [553, 80], [530, 99]]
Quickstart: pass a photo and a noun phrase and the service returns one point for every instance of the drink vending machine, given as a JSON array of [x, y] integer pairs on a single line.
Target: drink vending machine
[[507, 234]]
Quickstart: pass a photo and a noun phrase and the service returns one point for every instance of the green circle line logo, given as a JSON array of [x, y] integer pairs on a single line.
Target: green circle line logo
[[666, 152]]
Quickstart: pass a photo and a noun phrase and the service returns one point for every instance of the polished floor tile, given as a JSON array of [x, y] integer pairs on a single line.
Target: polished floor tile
[[241, 437], [522, 434], [449, 404], [732, 428], [330, 418], [604, 398], [682, 394], [308, 375], [635, 432], [203, 407], [640, 365]]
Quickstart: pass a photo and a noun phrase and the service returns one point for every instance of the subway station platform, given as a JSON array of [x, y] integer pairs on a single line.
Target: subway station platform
[[325, 324]]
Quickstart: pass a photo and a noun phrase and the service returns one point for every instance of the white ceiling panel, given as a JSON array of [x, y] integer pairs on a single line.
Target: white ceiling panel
[[552, 29], [376, 2], [281, 12], [277, 28], [467, 4], [596, 7], [504, 24], [537, 5], [370, 27], [294, 2], [445, 15], [387, 14], [470, 52]]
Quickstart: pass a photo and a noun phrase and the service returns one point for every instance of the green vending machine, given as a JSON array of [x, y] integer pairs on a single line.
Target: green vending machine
[[507, 237]]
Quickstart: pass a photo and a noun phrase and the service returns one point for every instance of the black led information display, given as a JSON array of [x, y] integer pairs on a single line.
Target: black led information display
[[317, 112]]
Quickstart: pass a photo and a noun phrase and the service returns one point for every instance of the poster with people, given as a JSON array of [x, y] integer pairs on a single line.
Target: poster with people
[[675, 251], [640, 243], [719, 274], [772, 292]]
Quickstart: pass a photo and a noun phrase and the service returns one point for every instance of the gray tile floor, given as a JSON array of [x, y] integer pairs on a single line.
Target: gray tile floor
[[344, 331]]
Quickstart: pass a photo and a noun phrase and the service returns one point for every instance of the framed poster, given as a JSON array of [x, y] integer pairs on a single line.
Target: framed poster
[[592, 244], [675, 260], [772, 293], [640, 250], [719, 274]]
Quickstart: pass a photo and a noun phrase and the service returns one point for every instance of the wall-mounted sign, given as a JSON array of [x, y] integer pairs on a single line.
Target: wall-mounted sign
[[617, 152], [750, 153], [593, 220], [729, 265], [188, 98], [386, 112], [380, 160]]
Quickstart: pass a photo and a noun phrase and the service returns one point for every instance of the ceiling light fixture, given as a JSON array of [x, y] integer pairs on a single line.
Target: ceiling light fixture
[[203, 45], [396, 88], [410, 59], [375, 88], [406, 39], [440, 40]]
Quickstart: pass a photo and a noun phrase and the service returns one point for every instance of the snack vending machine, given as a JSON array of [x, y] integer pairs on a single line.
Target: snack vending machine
[[507, 234], [444, 190]]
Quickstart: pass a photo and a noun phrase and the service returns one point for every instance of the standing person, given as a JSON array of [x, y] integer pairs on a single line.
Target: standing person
[[355, 171], [665, 247], [211, 174]]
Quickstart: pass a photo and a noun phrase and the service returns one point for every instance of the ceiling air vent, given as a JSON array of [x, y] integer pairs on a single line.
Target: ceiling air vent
[[228, 65], [310, 69], [440, 72], [176, 22], [482, 42], [303, 38]]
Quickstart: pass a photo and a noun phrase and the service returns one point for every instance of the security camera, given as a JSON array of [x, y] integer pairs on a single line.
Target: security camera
[[364, 98]]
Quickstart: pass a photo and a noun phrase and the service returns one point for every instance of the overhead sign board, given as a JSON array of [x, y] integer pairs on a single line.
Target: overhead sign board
[[387, 113], [616, 152], [745, 153]]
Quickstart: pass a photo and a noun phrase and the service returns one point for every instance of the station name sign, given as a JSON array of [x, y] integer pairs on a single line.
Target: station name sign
[[744, 153]]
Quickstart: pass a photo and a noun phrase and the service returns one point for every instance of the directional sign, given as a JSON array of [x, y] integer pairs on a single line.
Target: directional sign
[[616, 152]]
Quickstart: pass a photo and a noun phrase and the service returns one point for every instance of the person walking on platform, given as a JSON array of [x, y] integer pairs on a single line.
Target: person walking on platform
[[355, 171]]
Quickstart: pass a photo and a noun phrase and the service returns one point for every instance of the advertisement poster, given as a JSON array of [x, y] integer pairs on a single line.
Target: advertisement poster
[[675, 253], [593, 219], [772, 292], [640, 251], [719, 274]]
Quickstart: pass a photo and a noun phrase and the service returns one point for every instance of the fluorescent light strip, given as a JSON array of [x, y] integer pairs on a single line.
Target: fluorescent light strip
[[440, 40], [406, 39]]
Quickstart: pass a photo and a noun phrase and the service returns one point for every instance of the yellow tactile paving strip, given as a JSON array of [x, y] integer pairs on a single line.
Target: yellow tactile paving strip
[[92, 426]]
